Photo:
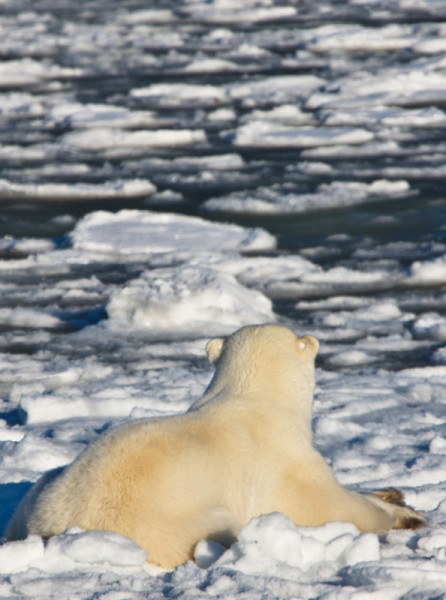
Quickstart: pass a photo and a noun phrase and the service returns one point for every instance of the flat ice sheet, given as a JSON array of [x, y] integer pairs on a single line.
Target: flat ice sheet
[[145, 232]]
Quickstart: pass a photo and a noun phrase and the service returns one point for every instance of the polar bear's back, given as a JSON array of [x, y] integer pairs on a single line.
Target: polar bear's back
[[162, 482]]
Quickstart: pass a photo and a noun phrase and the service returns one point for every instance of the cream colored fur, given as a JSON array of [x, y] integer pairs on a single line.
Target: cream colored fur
[[243, 449]]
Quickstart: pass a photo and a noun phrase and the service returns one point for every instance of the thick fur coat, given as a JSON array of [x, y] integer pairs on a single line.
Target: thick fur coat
[[243, 449]]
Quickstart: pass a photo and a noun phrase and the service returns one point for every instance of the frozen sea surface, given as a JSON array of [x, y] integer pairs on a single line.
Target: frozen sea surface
[[172, 171]]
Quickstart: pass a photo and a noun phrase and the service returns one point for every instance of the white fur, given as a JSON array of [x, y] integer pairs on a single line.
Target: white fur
[[243, 449]]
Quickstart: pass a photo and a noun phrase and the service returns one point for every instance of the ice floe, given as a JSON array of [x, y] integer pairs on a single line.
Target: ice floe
[[332, 195], [186, 300], [77, 191], [144, 232]]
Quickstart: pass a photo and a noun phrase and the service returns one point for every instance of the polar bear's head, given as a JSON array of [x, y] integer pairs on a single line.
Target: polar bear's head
[[271, 337], [268, 361]]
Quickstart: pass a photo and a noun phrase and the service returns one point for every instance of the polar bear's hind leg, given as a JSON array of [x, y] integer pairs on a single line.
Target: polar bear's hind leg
[[404, 517]]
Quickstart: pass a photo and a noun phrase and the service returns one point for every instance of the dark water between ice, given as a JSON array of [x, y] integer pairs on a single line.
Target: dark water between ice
[[102, 39]]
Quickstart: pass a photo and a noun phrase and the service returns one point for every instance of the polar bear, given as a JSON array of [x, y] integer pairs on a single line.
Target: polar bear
[[243, 449]]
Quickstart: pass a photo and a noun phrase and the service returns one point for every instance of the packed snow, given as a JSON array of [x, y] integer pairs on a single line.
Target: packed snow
[[169, 174]]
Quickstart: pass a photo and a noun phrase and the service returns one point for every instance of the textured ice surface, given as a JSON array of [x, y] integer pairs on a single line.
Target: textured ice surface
[[136, 232], [185, 300]]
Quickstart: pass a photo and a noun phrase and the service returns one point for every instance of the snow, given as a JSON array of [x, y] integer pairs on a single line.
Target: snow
[[274, 90], [79, 191], [429, 271], [273, 538], [26, 317], [105, 138], [19, 555], [421, 84], [318, 132], [260, 134], [177, 94], [143, 232], [330, 195], [432, 326], [80, 116], [185, 300], [229, 11], [27, 71]]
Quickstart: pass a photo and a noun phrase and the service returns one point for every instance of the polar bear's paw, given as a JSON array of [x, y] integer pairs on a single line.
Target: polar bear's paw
[[391, 495], [404, 517]]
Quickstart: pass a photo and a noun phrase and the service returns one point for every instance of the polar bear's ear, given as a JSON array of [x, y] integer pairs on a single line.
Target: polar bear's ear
[[214, 349], [308, 343]]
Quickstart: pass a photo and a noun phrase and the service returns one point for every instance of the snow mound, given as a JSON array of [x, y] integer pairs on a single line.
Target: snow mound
[[271, 542], [96, 546], [187, 300], [73, 549], [17, 556]]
